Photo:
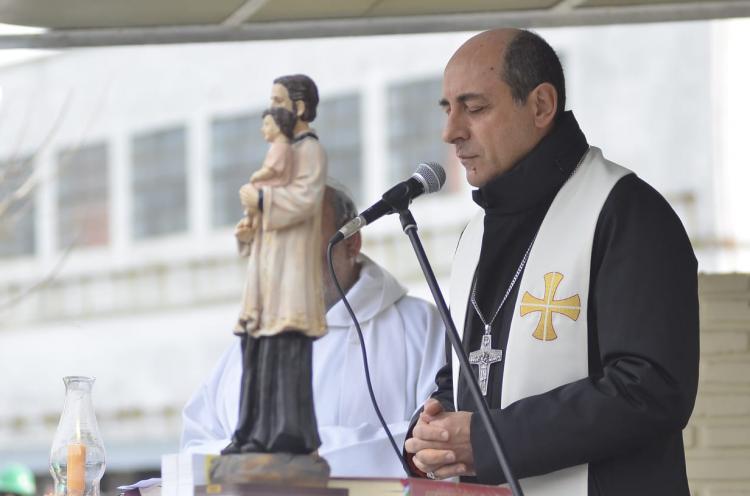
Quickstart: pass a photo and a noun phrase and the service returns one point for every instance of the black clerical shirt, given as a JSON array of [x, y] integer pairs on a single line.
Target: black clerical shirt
[[626, 418]]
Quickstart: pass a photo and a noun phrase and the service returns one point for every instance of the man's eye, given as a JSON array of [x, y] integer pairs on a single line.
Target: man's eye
[[474, 110]]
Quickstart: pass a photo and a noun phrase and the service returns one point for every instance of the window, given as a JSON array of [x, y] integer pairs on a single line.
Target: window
[[237, 150], [159, 183], [415, 127], [17, 204], [338, 125], [82, 198]]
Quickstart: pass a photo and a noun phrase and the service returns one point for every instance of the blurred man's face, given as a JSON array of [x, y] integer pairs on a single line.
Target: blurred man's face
[[344, 256]]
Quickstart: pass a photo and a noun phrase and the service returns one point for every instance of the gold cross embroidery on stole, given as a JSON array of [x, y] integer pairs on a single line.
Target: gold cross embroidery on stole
[[570, 307]]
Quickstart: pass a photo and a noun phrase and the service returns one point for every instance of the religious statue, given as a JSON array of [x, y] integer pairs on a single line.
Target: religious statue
[[282, 307]]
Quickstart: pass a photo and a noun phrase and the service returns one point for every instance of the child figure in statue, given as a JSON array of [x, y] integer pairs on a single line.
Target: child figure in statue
[[278, 130], [286, 312], [277, 170]]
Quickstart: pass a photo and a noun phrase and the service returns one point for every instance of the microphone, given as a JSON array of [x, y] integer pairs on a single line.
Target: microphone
[[428, 178]]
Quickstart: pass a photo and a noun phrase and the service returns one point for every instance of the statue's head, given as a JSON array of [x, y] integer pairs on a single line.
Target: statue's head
[[297, 93], [278, 120]]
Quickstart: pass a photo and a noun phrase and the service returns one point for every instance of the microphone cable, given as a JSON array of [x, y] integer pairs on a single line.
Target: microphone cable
[[329, 256]]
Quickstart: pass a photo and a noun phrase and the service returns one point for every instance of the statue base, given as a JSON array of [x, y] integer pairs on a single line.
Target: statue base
[[270, 468]]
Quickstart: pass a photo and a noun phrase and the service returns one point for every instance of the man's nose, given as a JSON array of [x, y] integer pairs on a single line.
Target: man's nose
[[454, 129]]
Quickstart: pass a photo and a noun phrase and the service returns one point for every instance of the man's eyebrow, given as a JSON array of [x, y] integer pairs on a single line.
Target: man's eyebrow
[[462, 98]]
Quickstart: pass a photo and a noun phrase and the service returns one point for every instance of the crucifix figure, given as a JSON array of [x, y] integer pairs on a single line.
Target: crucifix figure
[[485, 357]]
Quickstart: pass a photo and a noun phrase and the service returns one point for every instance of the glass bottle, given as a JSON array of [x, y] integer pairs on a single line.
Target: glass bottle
[[76, 459]]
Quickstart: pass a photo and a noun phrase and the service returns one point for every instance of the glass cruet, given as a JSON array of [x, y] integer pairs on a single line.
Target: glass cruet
[[76, 459]]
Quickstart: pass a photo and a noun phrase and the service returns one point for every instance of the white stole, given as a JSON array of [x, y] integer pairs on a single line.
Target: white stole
[[549, 324]]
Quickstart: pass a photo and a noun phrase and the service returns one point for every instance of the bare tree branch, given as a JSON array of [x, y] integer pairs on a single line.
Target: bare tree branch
[[51, 275], [30, 183], [25, 189], [22, 193]]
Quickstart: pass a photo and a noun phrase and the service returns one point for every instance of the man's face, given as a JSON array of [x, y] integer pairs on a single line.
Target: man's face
[[490, 131], [280, 97], [344, 256]]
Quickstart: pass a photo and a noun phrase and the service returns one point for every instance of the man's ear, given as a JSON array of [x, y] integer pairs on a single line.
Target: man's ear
[[299, 106], [353, 245], [544, 101]]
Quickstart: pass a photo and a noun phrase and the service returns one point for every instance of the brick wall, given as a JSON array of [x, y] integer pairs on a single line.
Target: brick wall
[[717, 440]]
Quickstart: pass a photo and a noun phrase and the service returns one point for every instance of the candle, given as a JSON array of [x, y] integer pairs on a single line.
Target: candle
[[76, 469]]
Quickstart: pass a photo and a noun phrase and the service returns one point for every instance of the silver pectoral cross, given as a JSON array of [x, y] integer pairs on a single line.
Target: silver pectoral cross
[[484, 357]]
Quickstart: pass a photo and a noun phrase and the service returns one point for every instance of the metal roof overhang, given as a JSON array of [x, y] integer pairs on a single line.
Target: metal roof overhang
[[90, 23]]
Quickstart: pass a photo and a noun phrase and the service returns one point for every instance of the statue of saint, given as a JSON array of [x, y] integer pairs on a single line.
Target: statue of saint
[[283, 309]]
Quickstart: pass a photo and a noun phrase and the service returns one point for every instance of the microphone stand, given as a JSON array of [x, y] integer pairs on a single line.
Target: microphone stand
[[409, 226]]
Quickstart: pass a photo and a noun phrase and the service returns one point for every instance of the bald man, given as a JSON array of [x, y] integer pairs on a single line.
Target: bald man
[[574, 289]]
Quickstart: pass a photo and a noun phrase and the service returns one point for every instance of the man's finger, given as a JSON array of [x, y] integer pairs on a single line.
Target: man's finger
[[432, 407], [415, 445], [421, 466], [411, 445], [428, 432], [452, 470], [432, 459]]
